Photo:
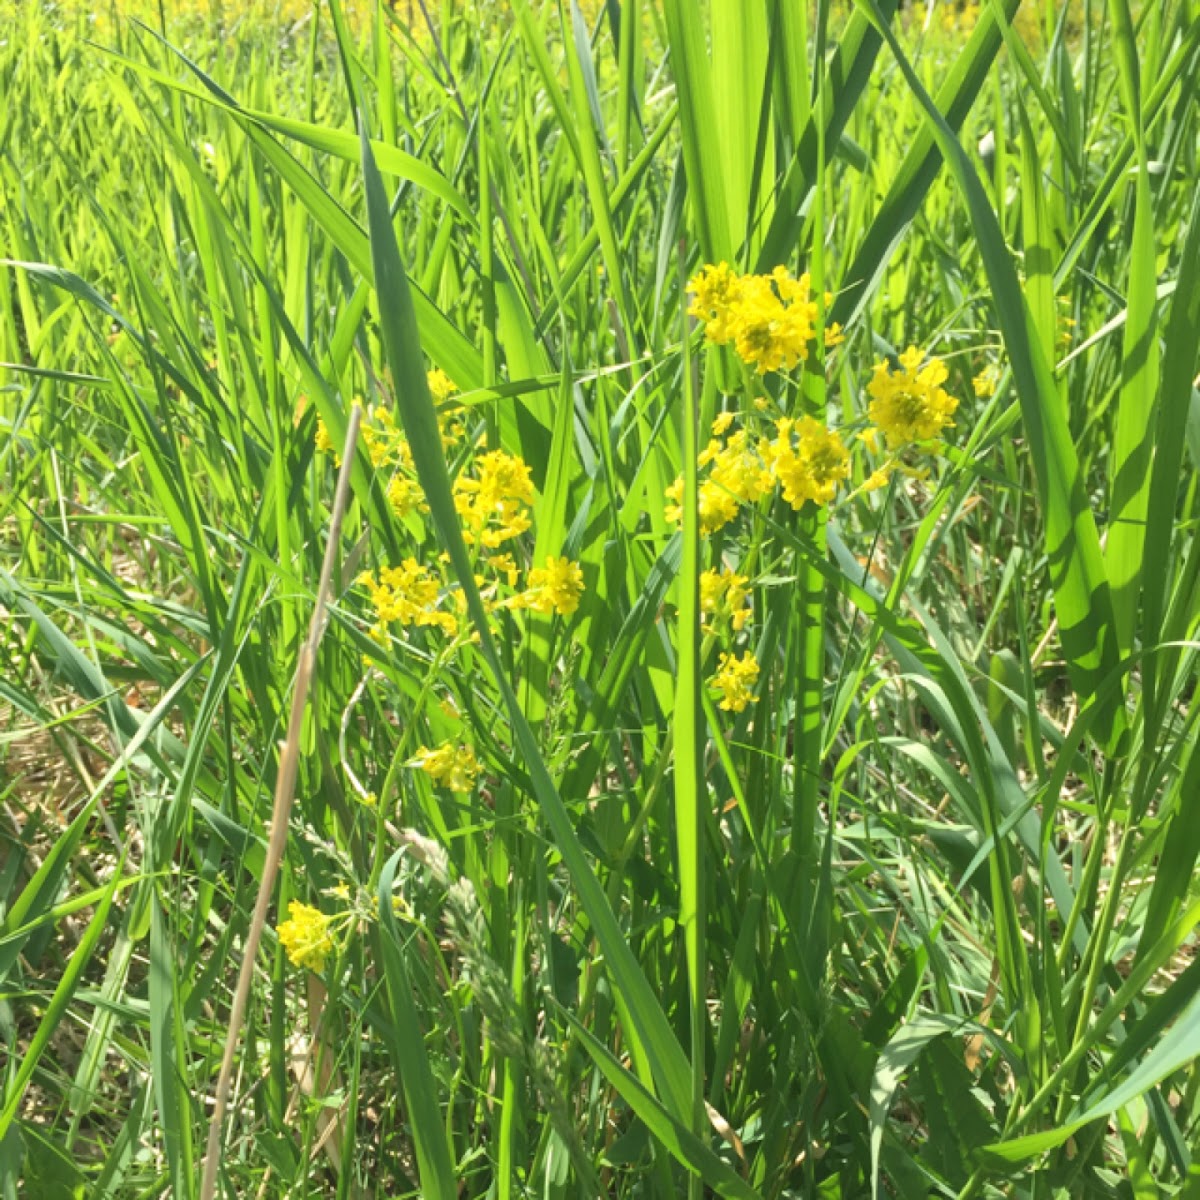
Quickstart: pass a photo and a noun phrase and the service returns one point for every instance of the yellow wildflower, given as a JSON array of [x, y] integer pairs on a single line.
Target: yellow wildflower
[[722, 423], [305, 936], [769, 319], [737, 477], [734, 680], [405, 496], [910, 405], [556, 587], [386, 444], [408, 594], [724, 594], [808, 460], [441, 386], [454, 767], [503, 564], [324, 442], [740, 471], [769, 333], [716, 290], [985, 382], [450, 416], [717, 507], [492, 505]]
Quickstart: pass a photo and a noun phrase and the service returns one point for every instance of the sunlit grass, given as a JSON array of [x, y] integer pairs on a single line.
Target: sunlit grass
[[752, 747]]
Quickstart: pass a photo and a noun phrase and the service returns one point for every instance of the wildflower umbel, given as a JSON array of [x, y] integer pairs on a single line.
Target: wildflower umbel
[[408, 594], [910, 405], [493, 503], [807, 459], [770, 320], [454, 767], [556, 587], [305, 936], [724, 595], [735, 680]]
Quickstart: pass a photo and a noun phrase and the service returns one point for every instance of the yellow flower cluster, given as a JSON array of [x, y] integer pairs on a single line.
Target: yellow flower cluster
[[804, 458], [324, 442], [735, 679], [408, 594], [441, 386], [984, 384], [305, 936], [454, 767], [770, 320], [556, 587], [451, 417], [910, 405], [807, 459], [494, 501], [724, 596]]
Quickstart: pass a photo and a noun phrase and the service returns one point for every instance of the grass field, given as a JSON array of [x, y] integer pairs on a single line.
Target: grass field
[[599, 600]]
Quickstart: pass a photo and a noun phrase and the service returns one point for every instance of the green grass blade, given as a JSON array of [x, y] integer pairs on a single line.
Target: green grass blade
[[434, 1154]]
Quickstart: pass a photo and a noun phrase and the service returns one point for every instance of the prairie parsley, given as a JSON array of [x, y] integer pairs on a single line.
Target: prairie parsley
[[808, 460], [734, 680], [910, 405], [556, 587], [493, 503], [305, 936], [408, 594], [454, 767]]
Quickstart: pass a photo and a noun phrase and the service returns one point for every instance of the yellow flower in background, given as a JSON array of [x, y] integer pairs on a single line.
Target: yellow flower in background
[[715, 291], [807, 459], [717, 507], [324, 442], [724, 595], [556, 587], [441, 386], [503, 564], [493, 503], [454, 767], [305, 936], [770, 320], [386, 444], [408, 594], [985, 382], [740, 471], [910, 405], [405, 496], [735, 680], [451, 424]]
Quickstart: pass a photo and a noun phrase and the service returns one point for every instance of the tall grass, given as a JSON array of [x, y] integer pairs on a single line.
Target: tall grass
[[917, 921]]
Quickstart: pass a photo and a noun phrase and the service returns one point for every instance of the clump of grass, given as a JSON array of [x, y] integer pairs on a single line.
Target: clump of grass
[[752, 744]]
